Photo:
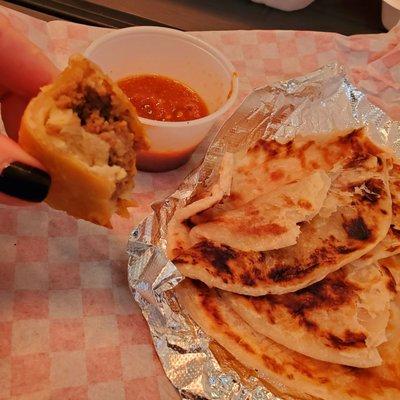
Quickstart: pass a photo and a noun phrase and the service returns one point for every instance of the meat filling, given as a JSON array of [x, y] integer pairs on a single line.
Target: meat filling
[[99, 114]]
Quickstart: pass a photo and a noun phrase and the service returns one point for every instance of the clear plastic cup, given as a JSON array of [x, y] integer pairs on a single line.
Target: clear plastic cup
[[180, 56]]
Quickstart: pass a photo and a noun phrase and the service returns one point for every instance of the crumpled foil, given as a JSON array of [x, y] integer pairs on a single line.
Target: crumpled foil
[[317, 103]]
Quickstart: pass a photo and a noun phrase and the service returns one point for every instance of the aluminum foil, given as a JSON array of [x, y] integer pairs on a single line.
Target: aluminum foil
[[318, 103]]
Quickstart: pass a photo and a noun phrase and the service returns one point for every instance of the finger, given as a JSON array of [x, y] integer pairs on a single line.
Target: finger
[[22, 178], [12, 108], [23, 66]]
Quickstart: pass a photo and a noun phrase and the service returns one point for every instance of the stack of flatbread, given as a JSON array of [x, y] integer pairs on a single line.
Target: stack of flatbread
[[291, 265]]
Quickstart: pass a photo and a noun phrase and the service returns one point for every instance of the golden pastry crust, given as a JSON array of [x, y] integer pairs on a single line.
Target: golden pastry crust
[[57, 128]]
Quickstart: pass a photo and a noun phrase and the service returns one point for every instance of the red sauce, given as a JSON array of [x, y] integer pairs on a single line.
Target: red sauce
[[163, 99]]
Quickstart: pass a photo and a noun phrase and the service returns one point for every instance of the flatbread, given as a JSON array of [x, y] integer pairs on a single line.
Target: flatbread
[[269, 221], [392, 264], [276, 363], [355, 217], [341, 319], [390, 245], [179, 225], [269, 164]]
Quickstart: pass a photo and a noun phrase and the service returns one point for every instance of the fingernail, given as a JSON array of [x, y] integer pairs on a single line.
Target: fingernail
[[25, 182]]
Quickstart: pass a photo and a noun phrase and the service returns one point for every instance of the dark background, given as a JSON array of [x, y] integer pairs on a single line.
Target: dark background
[[342, 16]]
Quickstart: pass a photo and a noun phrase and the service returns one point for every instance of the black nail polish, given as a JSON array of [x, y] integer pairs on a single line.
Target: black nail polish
[[25, 182]]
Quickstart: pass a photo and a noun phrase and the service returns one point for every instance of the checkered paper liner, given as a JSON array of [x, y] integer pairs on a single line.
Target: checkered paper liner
[[68, 325]]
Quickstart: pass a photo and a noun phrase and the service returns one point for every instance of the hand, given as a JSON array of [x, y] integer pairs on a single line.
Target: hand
[[23, 70]]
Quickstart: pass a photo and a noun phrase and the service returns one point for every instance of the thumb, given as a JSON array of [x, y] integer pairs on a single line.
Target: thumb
[[22, 178]]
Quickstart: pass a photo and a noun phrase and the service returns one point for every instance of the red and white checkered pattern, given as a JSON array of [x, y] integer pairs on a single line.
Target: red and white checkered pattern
[[68, 325], [69, 328]]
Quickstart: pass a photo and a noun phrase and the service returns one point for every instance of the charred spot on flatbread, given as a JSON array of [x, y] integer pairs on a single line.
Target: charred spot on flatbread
[[391, 283], [351, 339], [357, 229]]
